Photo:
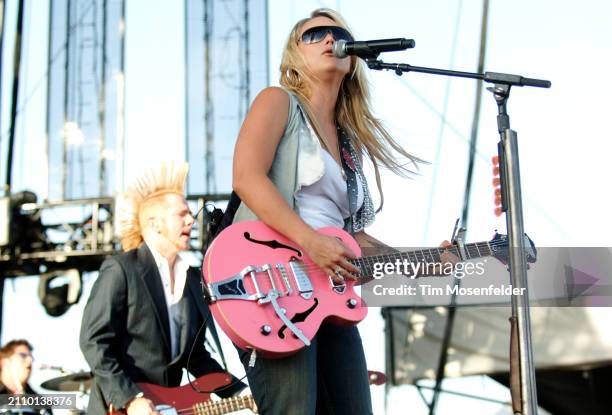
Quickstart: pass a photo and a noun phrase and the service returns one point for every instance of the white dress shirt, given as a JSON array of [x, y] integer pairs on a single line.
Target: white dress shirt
[[172, 297]]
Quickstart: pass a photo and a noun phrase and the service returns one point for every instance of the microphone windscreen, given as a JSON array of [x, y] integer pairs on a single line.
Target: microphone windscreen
[[338, 48], [407, 43]]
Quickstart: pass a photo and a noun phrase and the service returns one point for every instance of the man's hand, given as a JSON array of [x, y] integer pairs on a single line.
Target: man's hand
[[141, 406]]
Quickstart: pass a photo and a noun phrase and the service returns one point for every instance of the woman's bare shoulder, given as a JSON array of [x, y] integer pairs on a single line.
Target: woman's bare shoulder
[[272, 95]]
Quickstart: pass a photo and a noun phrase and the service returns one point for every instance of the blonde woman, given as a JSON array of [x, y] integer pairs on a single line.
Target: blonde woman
[[297, 167]]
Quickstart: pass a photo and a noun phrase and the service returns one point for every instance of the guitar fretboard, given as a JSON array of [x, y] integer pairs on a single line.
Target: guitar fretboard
[[430, 255], [224, 406]]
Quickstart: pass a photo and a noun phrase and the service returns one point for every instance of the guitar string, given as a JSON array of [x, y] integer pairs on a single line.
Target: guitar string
[[491, 244], [416, 253], [397, 255]]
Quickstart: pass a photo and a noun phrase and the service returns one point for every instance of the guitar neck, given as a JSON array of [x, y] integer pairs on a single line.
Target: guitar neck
[[224, 406], [430, 255]]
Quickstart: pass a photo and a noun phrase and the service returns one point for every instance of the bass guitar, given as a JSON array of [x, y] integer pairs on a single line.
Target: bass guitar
[[185, 400], [267, 295]]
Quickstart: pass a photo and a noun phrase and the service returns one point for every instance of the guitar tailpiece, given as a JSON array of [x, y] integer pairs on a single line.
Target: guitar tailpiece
[[272, 297]]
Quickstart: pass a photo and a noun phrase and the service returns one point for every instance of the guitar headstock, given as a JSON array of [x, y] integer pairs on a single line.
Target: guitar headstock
[[499, 248]]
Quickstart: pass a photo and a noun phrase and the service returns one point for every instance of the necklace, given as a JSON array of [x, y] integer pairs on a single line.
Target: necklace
[[340, 133]]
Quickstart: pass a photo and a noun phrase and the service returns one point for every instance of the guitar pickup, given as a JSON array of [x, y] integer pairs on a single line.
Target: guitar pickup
[[285, 277], [302, 282]]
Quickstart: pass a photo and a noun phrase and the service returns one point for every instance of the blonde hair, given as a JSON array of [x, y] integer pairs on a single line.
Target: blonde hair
[[353, 112], [136, 204]]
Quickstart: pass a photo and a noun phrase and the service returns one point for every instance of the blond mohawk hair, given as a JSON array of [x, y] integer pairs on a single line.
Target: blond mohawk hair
[[169, 178]]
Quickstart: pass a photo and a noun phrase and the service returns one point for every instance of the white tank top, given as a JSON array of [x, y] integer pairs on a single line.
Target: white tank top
[[325, 202]]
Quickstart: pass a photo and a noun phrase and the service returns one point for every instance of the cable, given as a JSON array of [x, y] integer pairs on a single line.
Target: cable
[[193, 386]]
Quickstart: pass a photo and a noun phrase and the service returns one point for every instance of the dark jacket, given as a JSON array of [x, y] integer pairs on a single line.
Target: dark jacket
[[125, 334]]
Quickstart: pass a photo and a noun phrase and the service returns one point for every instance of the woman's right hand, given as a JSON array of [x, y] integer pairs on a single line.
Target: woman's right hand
[[331, 255]]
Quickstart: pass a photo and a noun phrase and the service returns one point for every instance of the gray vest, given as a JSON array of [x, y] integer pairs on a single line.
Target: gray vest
[[298, 162]]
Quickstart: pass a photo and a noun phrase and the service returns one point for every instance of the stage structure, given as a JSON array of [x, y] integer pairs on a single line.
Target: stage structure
[[226, 54], [67, 224], [85, 98], [72, 226], [571, 348]]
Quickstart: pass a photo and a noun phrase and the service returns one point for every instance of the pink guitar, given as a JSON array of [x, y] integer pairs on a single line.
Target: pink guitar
[[267, 295], [184, 400]]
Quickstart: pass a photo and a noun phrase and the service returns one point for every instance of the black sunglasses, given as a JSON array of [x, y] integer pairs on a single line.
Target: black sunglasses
[[318, 33]]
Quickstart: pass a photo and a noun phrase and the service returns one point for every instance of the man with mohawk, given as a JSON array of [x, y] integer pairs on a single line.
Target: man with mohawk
[[146, 306]]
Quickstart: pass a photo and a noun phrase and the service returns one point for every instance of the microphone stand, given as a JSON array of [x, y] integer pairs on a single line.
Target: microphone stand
[[520, 338]]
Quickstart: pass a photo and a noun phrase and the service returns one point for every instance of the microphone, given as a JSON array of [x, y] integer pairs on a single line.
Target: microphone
[[368, 49]]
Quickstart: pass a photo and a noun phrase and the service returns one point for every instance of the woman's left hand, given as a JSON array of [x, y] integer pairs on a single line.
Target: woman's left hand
[[447, 257]]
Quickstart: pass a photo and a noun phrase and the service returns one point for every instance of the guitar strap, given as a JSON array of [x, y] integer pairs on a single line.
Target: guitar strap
[[210, 323], [215, 335], [219, 220], [348, 164]]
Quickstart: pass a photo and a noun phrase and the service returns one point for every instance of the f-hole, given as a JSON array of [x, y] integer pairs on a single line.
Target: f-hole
[[274, 244], [298, 318]]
